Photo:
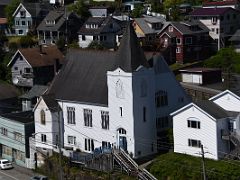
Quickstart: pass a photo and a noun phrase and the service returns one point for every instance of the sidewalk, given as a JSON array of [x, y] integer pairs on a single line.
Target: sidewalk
[[23, 170]]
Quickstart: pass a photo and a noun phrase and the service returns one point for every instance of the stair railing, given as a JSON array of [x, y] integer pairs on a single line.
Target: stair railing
[[128, 158]]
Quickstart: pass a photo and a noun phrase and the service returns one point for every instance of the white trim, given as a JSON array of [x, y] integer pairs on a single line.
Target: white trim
[[21, 55], [18, 9], [223, 93], [190, 105], [166, 34]]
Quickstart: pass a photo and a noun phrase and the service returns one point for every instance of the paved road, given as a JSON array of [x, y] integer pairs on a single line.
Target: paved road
[[15, 174]]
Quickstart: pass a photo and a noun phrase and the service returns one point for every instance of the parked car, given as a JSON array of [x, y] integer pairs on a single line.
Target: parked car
[[39, 177], [5, 164]]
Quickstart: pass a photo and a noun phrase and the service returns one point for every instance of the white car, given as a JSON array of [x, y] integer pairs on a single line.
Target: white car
[[5, 164]]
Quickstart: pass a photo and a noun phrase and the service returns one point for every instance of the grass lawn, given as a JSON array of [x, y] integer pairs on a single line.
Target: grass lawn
[[14, 39], [183, 167]]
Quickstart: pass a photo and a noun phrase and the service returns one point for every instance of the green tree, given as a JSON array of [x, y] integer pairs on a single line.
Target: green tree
[[10, 9], [137, 11], [61, 43], [26, 41], [80, 8], [229, 61], [225, 58], [95, 45]]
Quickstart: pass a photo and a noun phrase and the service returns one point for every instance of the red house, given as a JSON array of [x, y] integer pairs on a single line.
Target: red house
[[185, 41]]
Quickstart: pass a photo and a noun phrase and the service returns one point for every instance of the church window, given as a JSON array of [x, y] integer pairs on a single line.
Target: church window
[[43, 117], [119, 89]]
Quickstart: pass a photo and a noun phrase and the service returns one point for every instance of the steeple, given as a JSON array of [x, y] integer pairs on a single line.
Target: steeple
[[130, 54]]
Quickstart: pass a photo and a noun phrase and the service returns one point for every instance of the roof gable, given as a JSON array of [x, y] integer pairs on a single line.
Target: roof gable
[[224, 93], [18, 8], [212, 115], [13, 59]]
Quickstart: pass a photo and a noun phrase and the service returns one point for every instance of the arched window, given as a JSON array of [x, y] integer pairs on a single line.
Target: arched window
[[122, 131], [119, 89], [143, 88], [43, 117]]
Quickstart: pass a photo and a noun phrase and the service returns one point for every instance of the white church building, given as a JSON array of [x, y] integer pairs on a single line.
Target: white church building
[[106, 99]]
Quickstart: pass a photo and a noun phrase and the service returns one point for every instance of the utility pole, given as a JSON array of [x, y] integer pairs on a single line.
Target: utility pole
[[60, 144], [203, 163]]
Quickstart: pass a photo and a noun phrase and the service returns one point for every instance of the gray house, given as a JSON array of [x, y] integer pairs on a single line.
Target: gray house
[[15, 129], [35, 65], [103, 30], [30, 98], [56, 24], [27, 16]]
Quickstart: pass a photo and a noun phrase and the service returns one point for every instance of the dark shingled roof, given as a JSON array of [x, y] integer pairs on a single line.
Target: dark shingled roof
[[130, 54], [51, 102], [59, 16], [221, 3], [103, 26], [210, 11], [22, 117], [35, 91], [213, 109], [185, 27], [8, 91], [84, 76], [235, 36]]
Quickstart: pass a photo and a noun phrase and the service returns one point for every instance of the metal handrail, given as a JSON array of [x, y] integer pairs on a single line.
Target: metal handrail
[[149, 175], [123, 162], [129, 158]]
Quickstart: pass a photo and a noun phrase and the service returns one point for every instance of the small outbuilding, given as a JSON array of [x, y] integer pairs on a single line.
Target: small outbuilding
[[201, 76]]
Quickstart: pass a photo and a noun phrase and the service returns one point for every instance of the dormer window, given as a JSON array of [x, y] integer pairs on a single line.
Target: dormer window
[[49, 22], [170, 29], [23, 14], [157, 26]]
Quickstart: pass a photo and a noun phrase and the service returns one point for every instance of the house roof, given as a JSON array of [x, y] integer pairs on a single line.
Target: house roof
[[143, 24], [210, 11], [51, 102], [213, 109], [84, 76], [35, 9], [220, 3], [5, 2], [103, 26], [36, 58], [208, 107], [235, 36], [8, 91], [22, 117], [58, 15], [3, 20], [185, 27], [35, 91], [223, 93]]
